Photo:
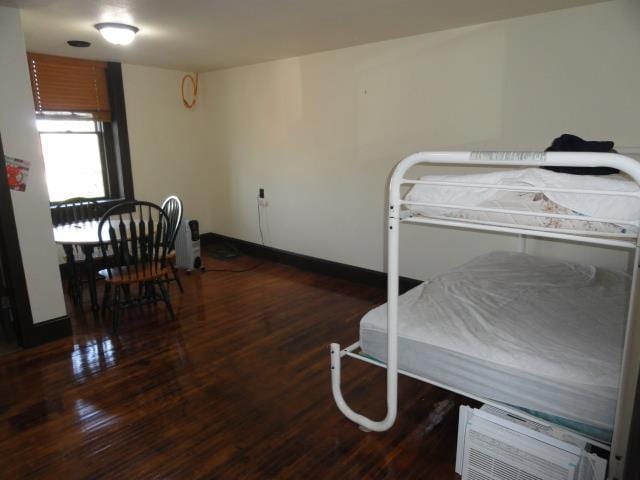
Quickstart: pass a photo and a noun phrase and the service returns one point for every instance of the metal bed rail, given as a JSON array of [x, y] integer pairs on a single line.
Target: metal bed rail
[[541, 233], [496, 159], [351, 351], [582, 218], [516, 188]]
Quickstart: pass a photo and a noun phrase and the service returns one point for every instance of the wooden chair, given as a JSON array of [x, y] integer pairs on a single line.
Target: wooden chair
[[138, 235], [70, 211], [75, 210], [172, 206]]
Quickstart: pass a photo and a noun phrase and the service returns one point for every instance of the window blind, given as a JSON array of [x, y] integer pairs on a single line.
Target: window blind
[[62, 84]]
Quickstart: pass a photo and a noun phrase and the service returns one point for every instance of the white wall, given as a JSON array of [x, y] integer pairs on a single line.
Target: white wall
[[322, 132], [20, 139], [168, 150]]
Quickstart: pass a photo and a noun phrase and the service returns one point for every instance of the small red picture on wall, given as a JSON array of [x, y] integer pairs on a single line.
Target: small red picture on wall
[[17, 173]]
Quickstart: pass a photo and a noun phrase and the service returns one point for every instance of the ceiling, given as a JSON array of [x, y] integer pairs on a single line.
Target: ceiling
[[204, 35]]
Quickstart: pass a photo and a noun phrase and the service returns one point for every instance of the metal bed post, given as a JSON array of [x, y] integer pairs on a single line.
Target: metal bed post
[[620, 437], [393, 233]]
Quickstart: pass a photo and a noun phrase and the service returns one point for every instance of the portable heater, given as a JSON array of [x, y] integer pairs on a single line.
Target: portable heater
[[188, 246], [497, 445]]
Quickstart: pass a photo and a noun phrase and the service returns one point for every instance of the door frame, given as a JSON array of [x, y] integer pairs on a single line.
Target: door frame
[[18, 293]]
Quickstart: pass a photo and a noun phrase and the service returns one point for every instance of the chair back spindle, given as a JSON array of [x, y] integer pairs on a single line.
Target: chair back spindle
[[172, 206], [137, 233]]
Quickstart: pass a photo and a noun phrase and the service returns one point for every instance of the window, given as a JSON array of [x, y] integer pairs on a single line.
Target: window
[[74, 158], [80, 115]]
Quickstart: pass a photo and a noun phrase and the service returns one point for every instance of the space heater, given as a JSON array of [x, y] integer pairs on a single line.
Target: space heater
[[496, 445], [188, 246]]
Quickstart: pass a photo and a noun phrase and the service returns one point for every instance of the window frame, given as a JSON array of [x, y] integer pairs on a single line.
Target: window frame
[[117, 157], [104, 162]]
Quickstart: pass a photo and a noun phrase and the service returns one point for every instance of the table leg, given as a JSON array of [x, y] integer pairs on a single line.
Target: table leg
[[74, 286], [91, 275]]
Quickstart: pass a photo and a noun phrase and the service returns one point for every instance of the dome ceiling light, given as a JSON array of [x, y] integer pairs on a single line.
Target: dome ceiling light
[[117, 33]]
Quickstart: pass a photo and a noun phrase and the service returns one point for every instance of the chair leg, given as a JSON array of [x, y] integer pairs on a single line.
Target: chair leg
[[166, 299], [176, 277], [75, 283], [105, 296], [127, 293], [116, 309], [147, 294], [152, 292]]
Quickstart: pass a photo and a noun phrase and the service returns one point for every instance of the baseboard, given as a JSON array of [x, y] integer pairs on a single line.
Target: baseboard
[[47, 331], [344, 271]]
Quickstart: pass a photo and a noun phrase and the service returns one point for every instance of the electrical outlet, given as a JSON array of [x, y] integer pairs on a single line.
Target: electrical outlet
[[261, 193], [263, 202]]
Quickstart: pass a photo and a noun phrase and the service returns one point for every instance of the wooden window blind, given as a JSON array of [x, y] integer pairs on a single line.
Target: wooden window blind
[[62, 84]]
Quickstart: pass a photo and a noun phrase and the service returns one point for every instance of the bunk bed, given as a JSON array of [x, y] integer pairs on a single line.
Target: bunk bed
[[520, 332]]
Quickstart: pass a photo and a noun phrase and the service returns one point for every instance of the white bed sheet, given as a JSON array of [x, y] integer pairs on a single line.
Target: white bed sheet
[[559, 322], [621, 208]]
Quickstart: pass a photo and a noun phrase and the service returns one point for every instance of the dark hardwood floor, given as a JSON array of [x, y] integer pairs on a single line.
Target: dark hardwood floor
[[237, 387]]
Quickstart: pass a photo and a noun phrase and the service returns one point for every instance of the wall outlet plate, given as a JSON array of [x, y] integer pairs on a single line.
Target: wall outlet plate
[[262, 202]]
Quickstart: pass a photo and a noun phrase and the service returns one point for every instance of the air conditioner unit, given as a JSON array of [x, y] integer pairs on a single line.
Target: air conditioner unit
[[496, 445], [188, 246]]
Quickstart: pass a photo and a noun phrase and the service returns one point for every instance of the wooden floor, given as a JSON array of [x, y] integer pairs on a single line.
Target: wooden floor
[[237, 387]]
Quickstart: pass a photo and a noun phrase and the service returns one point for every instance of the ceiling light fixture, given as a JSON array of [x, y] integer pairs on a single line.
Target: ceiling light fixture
[[117, 33]]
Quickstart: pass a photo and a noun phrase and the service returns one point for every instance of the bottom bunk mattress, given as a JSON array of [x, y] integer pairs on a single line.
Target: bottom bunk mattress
[[536, 333]]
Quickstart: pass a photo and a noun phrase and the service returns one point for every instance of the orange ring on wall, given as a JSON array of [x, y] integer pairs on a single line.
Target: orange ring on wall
[[194, 90]]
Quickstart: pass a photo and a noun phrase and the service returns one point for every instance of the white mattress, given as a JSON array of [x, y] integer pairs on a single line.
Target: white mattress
[[622, 208], [533, 332]]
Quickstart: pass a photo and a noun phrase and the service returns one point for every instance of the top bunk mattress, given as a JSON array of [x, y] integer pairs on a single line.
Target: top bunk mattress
[[623, 208], [555, 319]]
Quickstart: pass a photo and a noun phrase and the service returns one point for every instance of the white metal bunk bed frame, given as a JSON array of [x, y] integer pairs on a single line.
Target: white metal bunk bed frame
[[496, 159]]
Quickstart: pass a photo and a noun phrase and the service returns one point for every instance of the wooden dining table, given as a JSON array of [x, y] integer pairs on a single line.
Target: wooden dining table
[[82, 235]]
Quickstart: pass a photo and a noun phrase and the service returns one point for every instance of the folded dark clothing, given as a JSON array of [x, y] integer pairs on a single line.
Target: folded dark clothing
[[572, 143]]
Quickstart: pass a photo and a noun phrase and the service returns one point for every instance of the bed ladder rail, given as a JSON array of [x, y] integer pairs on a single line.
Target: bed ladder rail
[[393, 233], [365, 423]]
